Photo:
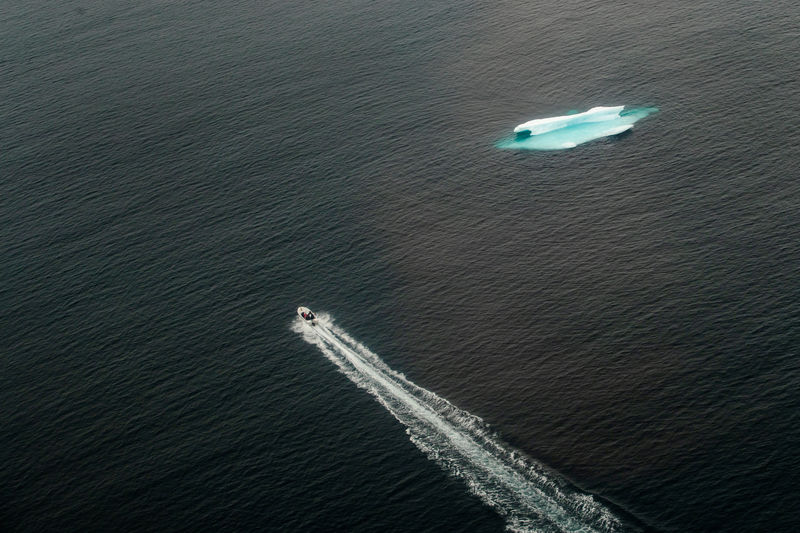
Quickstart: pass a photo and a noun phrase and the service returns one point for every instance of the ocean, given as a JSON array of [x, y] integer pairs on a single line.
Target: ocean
[[603, 338]]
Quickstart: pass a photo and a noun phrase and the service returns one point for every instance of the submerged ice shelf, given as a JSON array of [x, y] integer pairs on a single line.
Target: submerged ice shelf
[[568, 131]]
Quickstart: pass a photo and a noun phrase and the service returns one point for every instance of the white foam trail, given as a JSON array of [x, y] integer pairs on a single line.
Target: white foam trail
[[528, 496]]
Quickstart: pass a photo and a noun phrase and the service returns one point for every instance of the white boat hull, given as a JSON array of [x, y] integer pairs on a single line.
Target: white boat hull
[[306, 315]]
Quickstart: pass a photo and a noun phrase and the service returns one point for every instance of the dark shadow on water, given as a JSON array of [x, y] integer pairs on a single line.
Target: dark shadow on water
[[621, 136]]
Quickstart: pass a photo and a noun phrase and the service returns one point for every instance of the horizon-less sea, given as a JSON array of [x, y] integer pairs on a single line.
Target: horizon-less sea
[[602, 338]]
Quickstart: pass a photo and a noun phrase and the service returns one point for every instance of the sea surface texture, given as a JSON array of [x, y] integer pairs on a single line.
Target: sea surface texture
[[605, 338]]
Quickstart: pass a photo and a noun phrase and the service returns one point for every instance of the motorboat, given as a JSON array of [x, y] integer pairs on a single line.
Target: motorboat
[[306, 314]]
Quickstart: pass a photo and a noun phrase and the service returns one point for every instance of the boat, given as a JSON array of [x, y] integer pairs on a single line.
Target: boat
[[306, 314]]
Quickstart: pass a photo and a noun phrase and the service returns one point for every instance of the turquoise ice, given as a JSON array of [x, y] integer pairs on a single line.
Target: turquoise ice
[[568, 131]]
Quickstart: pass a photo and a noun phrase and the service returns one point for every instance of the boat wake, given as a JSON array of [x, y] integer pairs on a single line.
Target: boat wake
[[528, 496]]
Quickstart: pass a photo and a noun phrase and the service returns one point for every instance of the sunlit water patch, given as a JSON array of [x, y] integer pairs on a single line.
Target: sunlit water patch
[[568, 131], [528, 496]]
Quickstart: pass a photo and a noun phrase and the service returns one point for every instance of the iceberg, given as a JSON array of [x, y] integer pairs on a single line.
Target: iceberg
[[568, 131], [544, 125]]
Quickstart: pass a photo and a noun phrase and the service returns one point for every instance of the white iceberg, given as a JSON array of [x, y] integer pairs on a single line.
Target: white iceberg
[[568, 131], [544, 125]]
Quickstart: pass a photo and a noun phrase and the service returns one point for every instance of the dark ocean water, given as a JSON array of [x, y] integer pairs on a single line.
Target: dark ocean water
[[176, 177]]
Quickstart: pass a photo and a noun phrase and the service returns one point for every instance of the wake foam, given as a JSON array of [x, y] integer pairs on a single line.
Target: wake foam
[[568, 131], [527, 495]]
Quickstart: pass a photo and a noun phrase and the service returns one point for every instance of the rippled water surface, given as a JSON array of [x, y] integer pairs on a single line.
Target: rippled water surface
[[602, 338]]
